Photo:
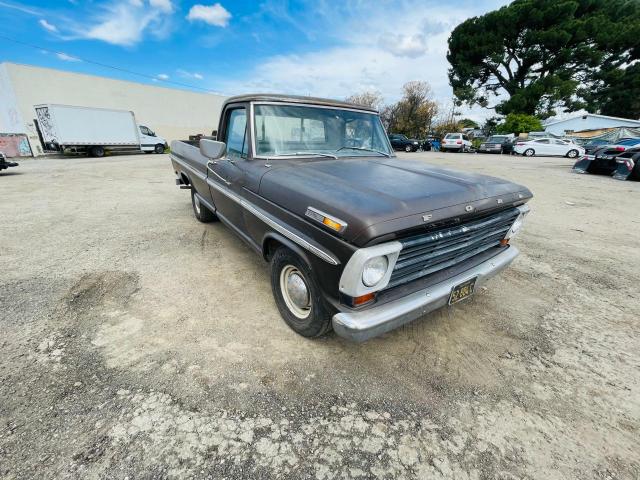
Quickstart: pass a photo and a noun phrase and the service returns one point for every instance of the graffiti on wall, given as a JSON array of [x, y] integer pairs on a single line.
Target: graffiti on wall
[[15, 145]]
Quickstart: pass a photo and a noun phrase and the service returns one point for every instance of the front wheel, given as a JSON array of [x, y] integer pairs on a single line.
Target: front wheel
[[159, 148], [407, 148], [572, 153], [298, 296], [529, 152]]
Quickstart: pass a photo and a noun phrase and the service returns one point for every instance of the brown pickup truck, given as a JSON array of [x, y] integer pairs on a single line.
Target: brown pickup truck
[[358, 240]]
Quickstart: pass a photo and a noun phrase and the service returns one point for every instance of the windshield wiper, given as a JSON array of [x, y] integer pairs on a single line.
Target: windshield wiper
[[364, 149], [310, 154]]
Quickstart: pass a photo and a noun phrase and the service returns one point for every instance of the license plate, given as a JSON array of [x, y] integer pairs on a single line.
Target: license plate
[[462, 291]]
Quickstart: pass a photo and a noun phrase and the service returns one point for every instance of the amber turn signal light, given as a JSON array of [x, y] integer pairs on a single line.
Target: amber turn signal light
[[504, 242], [331, 224], [361, 300]]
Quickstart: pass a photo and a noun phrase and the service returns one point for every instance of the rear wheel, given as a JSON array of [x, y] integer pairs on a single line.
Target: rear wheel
[[159, 148], [97, 151], [635, 173], [298, 296], [572, 153], [201, 212], [529, 152]]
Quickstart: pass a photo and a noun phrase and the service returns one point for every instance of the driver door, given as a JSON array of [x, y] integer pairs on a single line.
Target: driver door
[[147, 142], [225, 175]]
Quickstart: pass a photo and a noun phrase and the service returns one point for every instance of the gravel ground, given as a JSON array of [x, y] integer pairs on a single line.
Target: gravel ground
[[138, 343]]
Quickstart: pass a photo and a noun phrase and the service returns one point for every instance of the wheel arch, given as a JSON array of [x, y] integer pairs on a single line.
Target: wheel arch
[[273, 240], [185, 178]]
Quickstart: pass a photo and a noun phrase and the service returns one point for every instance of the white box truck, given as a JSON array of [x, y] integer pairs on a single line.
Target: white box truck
[[94, 131]]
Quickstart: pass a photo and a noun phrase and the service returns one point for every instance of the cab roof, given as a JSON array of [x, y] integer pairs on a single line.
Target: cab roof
[[270, 97]]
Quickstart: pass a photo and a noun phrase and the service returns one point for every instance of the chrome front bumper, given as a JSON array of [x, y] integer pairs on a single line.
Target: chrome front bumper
[[366, 324]]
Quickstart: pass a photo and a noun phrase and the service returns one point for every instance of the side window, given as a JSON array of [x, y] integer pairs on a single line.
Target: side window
[[545, 140], [144, 130], [236, 134]]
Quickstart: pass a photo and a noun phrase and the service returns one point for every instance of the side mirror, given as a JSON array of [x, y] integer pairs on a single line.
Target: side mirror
[[212, 148]]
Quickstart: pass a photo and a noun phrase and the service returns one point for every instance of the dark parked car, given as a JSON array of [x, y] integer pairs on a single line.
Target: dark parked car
[[356, 238], [603, 160], [425, 144], [621, 164], [594, 145], [497, 144], [4, 163], [401, 142]]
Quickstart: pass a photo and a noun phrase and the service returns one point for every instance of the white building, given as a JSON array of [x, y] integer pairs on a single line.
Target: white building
[[588, 121], [171, 113]]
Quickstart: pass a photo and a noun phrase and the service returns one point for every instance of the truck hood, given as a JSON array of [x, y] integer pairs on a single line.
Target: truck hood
[[381, 198]]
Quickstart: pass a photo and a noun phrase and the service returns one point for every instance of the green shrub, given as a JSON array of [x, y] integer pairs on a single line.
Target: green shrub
[[520, 123]]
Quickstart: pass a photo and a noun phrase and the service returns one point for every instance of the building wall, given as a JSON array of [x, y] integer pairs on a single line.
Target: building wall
[[171, 113], [10, 118], [577, 124]]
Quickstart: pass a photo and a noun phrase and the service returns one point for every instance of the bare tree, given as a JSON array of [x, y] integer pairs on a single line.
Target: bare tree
[[414, 114], [367, 99], [389, 115]]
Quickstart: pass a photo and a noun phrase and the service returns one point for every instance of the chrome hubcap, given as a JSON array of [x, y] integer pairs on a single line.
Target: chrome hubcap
[[295, 291]]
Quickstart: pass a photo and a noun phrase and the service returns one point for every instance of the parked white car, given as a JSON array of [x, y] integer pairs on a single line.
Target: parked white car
[[455, 142], [549, 146]]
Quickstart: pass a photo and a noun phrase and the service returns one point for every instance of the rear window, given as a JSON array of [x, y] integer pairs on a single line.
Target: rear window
[[453, 136]]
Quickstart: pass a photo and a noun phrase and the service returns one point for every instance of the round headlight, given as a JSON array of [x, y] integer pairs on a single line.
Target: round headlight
[[374, 270]]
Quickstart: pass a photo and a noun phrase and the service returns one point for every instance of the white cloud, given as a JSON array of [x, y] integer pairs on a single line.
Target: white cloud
[[125, 22], [21, 8], [163, 76], [411, 46], [190, 75], [47, 26], [214, 14], [67, 58], [165, 6]]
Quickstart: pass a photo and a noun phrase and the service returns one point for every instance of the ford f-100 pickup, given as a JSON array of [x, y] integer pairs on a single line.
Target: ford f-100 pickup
[[358, 240]]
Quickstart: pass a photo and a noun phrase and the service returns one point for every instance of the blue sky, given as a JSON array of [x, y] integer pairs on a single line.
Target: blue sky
[[322, 48]]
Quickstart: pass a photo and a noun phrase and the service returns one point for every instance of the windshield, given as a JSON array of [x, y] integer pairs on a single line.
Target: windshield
[[630, 141], [497, 139], [452, 136], [304, 130]]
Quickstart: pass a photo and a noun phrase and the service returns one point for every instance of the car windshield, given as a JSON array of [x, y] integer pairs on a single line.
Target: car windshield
[[452, 135], [630, 141], [298, 130], [497, 139]]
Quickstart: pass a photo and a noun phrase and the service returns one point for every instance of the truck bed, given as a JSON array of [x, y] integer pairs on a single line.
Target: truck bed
[[187, 159]]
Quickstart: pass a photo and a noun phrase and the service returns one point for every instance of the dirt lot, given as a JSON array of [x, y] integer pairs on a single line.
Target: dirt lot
[[138, 343]]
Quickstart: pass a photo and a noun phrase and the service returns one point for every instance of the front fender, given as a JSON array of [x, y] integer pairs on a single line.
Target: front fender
[[272, 239]]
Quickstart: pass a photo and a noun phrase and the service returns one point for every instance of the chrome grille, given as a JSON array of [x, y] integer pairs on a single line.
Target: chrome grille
[[426, 253]]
